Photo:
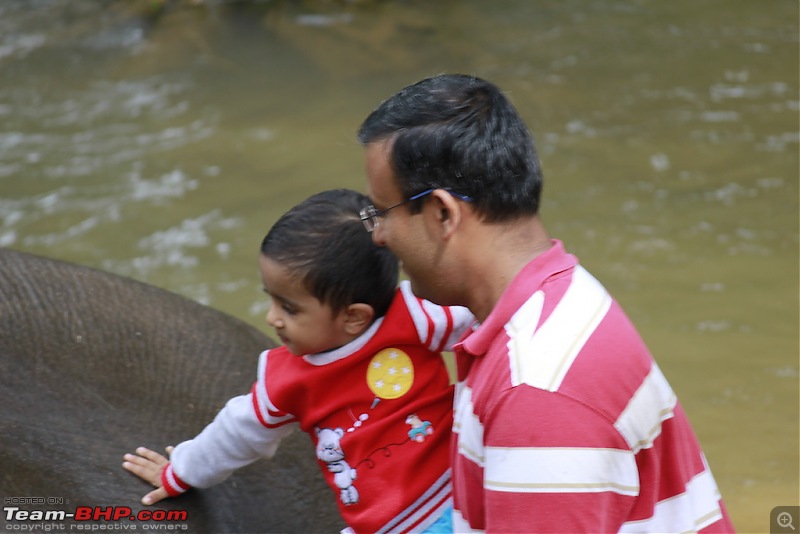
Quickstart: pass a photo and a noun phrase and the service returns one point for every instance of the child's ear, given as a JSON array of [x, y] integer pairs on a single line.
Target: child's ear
[[357, 318]]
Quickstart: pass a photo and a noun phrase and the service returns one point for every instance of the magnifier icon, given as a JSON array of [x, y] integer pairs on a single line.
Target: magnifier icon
[[785, 520]]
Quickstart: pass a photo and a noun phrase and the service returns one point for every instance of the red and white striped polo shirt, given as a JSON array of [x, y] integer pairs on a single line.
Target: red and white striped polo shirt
[[564, 423]]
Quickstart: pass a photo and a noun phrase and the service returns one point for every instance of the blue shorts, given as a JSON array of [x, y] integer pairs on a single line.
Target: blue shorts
[[443, 525]]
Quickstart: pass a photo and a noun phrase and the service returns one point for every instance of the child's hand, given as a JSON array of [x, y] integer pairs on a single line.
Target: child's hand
[[148, 465]]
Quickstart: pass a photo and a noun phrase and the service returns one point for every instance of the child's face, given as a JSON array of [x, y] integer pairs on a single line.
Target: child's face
[[303, 323]]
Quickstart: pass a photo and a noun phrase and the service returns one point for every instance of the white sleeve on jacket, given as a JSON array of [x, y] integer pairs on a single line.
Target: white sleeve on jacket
[[439, 327], [233, 440]]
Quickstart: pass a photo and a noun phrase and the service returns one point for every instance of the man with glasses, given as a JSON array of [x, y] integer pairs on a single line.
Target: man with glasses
[[563, 421]]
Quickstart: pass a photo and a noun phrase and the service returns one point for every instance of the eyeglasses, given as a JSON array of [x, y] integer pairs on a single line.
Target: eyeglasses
[[371, 216]]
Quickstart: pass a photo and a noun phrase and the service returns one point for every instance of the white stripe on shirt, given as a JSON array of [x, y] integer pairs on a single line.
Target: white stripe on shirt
[[561, 470], [541, 358], [651, 405], [433, 322], [436, 498], [690, 511], [461, 526], [263, 402], [440, 323], [418, 314], [467, 426]]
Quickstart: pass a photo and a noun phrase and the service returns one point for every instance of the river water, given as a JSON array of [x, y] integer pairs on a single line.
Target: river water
[[160, 140]]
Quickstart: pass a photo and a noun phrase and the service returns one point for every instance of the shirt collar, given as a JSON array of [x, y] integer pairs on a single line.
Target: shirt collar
[[525, 283]]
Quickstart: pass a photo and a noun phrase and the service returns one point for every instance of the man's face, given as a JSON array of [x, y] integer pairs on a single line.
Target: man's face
[[405, 234]]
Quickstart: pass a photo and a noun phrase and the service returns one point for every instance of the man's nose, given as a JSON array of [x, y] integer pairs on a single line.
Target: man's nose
[[378, 236]]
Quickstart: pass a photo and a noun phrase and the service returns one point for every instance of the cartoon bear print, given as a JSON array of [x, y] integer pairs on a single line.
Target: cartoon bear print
[[329, 450]]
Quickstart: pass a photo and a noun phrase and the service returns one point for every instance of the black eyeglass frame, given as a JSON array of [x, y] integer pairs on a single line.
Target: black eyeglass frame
[[371, 216]]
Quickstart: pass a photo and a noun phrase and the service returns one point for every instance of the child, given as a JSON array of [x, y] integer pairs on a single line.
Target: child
[[360, 371]]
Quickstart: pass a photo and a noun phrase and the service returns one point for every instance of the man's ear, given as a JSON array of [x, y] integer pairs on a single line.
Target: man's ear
[[357, 318], [447, 211]]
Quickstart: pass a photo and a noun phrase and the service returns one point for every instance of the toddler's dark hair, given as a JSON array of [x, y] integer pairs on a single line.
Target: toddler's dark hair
[[323, 241]]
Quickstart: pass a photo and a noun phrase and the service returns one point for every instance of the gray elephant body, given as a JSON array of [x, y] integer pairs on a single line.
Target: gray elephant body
[[93, 365]]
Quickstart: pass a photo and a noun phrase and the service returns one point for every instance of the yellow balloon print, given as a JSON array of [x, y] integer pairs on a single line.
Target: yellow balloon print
[[390, 374]]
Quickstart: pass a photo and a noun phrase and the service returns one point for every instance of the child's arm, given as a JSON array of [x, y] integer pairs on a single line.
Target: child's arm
[[148, 465], [439, 327], [236, 437], [239, 435]]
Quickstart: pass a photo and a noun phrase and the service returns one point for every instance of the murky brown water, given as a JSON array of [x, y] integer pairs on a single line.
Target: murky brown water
[[162, 146]]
